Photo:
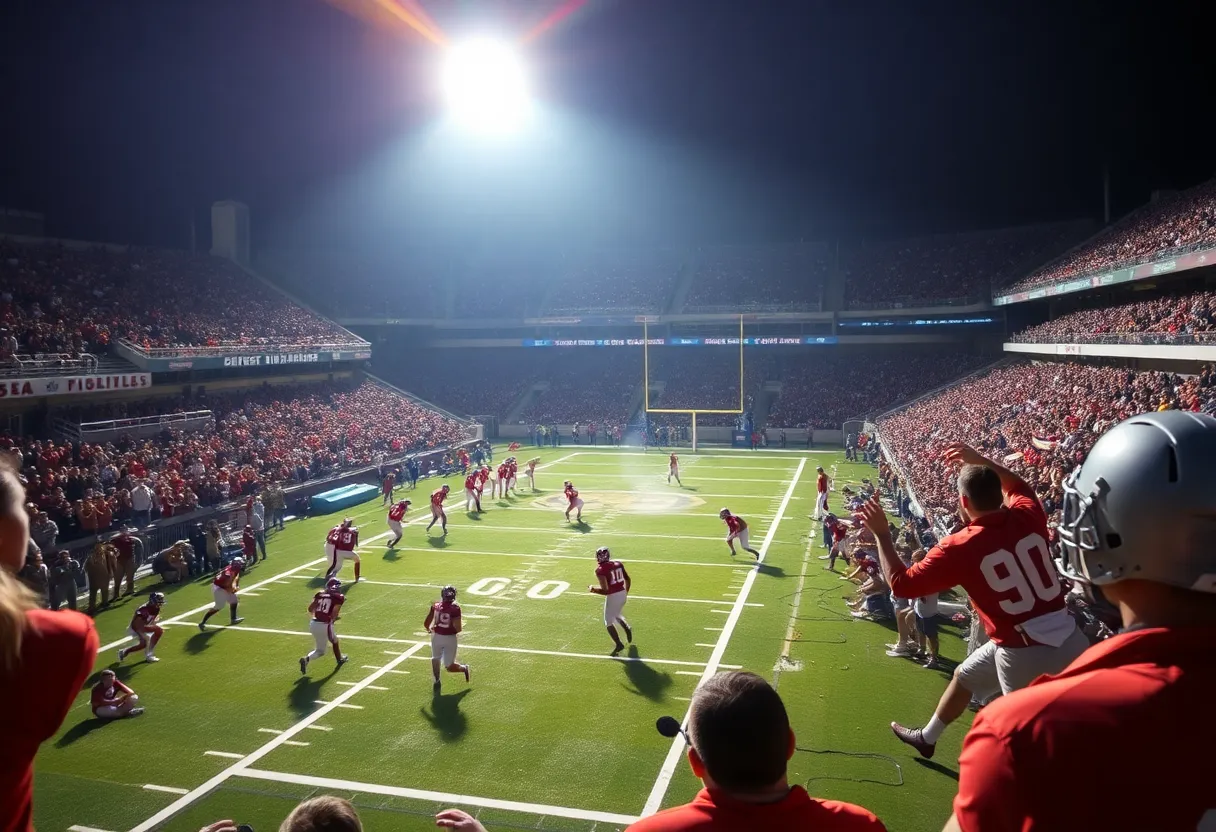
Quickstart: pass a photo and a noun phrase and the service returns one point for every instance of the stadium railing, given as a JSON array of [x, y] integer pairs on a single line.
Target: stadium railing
[[760, 308], [49, 364], [1148, 338], [912, 302], [107, 430], [236, 348]]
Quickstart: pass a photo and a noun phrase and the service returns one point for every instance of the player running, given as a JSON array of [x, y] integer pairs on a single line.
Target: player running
[[821, 498], [736, 529], [223, 590], [144, 628], [673, 469], [576, 503], [344, 549], [530, 471], [443, 623], [437, 512], [614, 586], [1002, 561], [472, 493], [396, 514], [324, 609]]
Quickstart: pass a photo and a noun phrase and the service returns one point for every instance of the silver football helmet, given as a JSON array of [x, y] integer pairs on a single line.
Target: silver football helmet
[[1143, 504]]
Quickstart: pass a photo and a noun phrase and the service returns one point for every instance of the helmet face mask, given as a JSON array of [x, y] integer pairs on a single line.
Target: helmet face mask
[[157, 599], [448, 593], [724, 513], [603, 555], [333, 585]]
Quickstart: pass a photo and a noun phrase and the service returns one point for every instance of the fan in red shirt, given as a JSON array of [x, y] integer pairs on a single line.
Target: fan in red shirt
[[1001, 559], [344, 549], [575, 503], [736, 529], [1126, 724], [437, 512], [223, 590], [395, 515], [144, 629], [614, 584], [673, 469], [444, 624], [740, 743], [324, 609], [472, 494]]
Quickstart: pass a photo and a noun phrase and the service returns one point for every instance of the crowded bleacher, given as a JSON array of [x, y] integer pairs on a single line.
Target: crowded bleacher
[[739, 278], [1164, 228], [57, 299], [1188, 318], [616, 280]]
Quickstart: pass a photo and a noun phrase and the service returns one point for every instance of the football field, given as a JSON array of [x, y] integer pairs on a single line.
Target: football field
[[552, 732]]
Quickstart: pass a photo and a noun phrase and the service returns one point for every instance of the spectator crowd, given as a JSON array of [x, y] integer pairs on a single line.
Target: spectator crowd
[[1163, 228], [1170, 317], [759, 276]]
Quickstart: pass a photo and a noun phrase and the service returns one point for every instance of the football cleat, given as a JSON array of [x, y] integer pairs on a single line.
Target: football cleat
[[448, 593], [628, 631], [157, 599], [724, 513], [122, 653], [150, 658], [343, 660], [915, 738], [333, 585], [603, 555], [303, 666], [467, 673]]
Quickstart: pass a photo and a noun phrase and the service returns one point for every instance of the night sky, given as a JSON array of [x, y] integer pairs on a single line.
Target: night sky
[[686, 120]]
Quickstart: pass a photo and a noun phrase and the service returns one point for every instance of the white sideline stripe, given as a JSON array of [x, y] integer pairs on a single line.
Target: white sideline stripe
[[435, 797], [286, 742], [228, 754], [178, 618], [687, 673], [274, 742], [317, 728], [152, 787], [727, 565], [493, 528], [333, 704], [663, 781], [369, 687], [269, 731], [84, 829]]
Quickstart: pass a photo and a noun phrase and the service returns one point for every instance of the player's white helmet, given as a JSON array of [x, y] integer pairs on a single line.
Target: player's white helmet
[[603, 555], [333, 585], [1143, 504], [448, 593], [238, 562], [157, 599], [568, 484], [347, 522], [724, 513]]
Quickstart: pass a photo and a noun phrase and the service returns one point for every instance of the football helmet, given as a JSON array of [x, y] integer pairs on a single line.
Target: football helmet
[[448, 593], [724, 513], [568, 484], [603, 555], [333, 585], [157, 599], [1140, 506], [346, 522], [238, 562], [447, 487]]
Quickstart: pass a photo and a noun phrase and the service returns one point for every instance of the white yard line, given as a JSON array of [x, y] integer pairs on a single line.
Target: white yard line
[[685, 600], [435, 797], [566, 530], [152, 787], [276, 741], [724, 564], [661, 783], [179, 618], [93, 829], [226, 754]]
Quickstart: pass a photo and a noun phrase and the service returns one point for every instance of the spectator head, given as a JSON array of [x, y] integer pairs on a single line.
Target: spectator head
[[106, 677], [739, 734], [323, 814], [64, 556], [979, 491]]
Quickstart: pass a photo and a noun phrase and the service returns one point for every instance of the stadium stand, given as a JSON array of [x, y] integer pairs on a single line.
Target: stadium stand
[[1039, 418], [586, 389], [473, 382], [285, 433], [1164, 228], [57, 299], [759, 277], [616, 280], [1171, 318], [412, 284]]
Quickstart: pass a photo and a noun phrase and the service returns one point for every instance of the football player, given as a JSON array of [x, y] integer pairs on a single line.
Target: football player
[[443, 623], [111, 699], [576, 503], [736, 529], [145, 629], [512, 472], [224, 589], [821, 493], [1125, 720], [614, 586], [331, 542], [324, 609], [673, 468], [530, 471], [395, 515], [437, 512], [504, 477], [472, 496], [344, 549], [1002, 561]]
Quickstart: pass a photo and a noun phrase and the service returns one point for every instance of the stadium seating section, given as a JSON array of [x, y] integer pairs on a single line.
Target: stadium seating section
[[738, 278], [1188, 317], [1162, 229], [282, 433], [1039, 418]]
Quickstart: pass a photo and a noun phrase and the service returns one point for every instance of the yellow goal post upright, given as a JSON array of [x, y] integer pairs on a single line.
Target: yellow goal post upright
[[689, 411]]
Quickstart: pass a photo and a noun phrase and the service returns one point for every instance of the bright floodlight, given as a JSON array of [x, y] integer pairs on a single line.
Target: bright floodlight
[[486, 85]]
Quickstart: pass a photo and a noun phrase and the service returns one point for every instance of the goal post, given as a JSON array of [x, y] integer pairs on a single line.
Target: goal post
[[692, 412]]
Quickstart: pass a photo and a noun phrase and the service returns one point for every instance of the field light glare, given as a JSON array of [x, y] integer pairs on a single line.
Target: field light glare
[[486, 85]]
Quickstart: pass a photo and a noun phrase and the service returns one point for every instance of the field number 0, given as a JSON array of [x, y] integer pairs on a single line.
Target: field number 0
[[543, 591]]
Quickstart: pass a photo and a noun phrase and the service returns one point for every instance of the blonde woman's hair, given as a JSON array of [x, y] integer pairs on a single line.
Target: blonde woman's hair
[[15, 598]]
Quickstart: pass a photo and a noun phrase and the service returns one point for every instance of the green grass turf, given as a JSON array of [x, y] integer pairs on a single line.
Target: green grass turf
[[549, 718]]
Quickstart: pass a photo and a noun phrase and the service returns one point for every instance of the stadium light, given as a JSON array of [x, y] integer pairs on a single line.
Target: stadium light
[[486, 85]]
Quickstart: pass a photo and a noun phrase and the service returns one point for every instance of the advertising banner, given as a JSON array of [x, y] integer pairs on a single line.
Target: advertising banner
[[270, 359], [1194, 260], [33, 388]]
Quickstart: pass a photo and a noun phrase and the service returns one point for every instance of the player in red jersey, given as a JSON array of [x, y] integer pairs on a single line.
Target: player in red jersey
[[437, 512], [503, 478], [111, 699], [144, 629], [575, 503], [443, 623], [736, 529], [472, 493], [331, 542], [530, 471], [390, 483], [224, 589], [324, 609], [673, 469], [821, 493], [395, 515], [249, 545], [614, 586], [834, 532], [512, 472], [1124, 724], [344, 549], [1001, 559]]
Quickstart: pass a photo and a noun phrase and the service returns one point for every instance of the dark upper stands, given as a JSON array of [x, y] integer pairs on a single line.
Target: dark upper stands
[[740, 278], [1188, 317], [616, 280]]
